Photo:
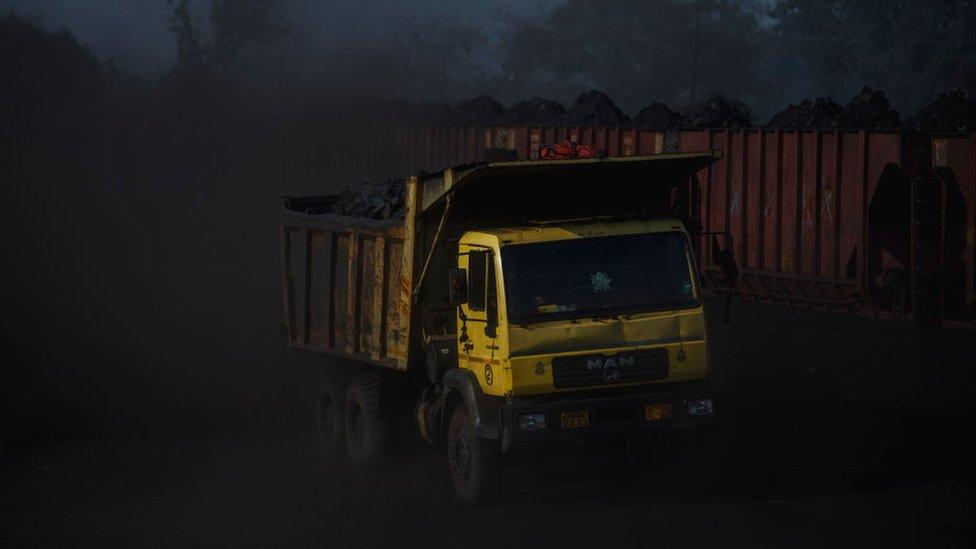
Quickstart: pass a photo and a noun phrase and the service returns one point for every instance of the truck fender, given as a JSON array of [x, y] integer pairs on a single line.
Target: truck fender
[[483, 410]]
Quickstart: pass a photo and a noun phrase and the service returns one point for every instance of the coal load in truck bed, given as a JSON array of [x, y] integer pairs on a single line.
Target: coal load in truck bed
[[594, 108], [818, 114], [658, 116], [951, 112], [376, 200], [870, 110], [719, 112]]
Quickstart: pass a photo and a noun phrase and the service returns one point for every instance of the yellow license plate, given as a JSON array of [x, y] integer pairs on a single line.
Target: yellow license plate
[[657, 412], [574, 420]]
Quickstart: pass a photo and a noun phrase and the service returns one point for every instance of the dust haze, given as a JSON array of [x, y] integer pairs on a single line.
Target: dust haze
[[142, 164]]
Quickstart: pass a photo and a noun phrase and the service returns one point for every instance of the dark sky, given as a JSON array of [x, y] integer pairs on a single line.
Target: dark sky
[[133, 33]]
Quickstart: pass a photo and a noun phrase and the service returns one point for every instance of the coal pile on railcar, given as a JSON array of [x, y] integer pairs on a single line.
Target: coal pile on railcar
[[951, 112], [870, 110], [537, 111], [400, 111], [595, 108], [719, 112], [479, 110], [373, 200], [821, 113], [429, 112], [658, 116]]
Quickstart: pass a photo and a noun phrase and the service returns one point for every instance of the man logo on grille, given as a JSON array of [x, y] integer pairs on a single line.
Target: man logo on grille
[[611, 376], [609, 363]]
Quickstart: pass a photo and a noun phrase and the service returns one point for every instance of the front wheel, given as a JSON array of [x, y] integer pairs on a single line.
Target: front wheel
[[475, 463]]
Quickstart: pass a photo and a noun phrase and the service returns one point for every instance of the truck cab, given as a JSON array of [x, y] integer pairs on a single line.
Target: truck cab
[[568, 307], [581, 329]]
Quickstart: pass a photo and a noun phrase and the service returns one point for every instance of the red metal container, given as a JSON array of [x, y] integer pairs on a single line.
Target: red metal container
[[832, 218]]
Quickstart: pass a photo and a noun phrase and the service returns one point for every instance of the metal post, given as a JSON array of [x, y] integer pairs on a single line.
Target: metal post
[[694, 60]]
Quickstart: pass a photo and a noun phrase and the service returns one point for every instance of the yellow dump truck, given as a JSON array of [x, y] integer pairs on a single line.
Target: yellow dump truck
[[513, 303]]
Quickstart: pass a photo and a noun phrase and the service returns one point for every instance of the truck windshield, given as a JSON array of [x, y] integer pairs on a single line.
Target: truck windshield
[[601, 276]]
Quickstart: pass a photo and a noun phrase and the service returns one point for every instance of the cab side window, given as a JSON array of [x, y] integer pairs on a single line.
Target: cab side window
[[491, 299], [477, 280]]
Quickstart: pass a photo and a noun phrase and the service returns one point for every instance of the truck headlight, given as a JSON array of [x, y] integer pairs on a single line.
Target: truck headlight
[[529, 423], [698, 407]]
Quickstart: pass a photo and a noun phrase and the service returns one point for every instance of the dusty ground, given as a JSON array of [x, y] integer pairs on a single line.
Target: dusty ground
[[841, 432]]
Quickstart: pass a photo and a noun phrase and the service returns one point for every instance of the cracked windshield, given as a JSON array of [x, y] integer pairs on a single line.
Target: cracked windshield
[[597, 277]]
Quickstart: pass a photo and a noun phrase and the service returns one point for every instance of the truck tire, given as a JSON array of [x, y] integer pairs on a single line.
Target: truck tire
[[475, 463], [368, 432], [329, 414]]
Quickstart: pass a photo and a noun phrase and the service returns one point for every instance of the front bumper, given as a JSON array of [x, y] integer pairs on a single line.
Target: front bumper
[[610, 414]]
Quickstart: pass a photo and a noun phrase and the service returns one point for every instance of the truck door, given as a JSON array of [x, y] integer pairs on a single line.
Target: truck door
[[478, 325]]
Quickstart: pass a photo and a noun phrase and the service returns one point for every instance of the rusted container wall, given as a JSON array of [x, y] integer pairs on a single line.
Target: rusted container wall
[[809, 221], [716, 191], [794, 202], [851, 192], [341, 288], [771, 203], [957, 156], [752, 190], [736, 194], [645, 142], [789, 205], [698, 141]]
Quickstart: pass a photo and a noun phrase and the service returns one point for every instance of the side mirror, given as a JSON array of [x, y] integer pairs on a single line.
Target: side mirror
[[458, 291], [725, 259], [717, 251]]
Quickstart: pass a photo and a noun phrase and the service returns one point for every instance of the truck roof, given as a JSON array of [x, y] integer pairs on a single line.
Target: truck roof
[[544, 181], [572, 229]]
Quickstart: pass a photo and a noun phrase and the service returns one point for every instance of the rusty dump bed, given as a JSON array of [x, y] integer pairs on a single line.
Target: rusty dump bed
[[345, 285], [371, 290]]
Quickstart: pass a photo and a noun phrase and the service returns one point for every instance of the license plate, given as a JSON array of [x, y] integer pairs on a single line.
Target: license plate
[[574, 420], [657, 412]]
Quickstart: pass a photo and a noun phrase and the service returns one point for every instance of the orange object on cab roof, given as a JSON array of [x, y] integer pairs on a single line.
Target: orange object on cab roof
[[568, 150]]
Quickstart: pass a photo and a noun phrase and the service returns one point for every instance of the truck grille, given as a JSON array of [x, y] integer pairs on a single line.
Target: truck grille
[[628, 367]]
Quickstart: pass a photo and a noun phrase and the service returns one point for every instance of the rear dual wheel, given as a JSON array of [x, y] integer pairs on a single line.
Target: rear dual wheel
[[367, 426], [329, 414], [350, 418]]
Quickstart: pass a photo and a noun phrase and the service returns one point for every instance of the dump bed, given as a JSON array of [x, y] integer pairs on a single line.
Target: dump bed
[[345, 283]]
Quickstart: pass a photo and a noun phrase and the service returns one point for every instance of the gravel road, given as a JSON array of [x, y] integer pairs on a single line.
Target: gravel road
[[838, 434]]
